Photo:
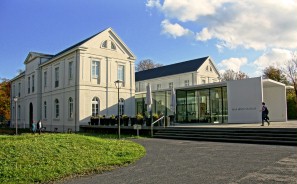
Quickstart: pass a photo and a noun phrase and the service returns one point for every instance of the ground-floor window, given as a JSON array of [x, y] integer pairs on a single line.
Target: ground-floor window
[[95, 106], [122, 106], [57, 108]]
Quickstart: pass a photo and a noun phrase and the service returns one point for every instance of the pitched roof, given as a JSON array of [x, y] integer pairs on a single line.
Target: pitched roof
[[77, 44], [173, 69]]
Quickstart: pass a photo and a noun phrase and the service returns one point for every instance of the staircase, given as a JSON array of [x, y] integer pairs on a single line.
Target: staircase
[[273, 136]]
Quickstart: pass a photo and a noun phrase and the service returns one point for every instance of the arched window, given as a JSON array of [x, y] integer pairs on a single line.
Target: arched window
[[95, 106], [122, 106], [104, 44], [113, 47], [44, 109], [70, 101], [57, 108]]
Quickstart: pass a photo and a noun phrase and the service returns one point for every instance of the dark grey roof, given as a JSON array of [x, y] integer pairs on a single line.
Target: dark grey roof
[[177, 68], [75, 45]]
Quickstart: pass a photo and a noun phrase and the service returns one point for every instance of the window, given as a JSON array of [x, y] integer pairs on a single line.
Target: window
[[104, 44], [70, 107], [45, 79], [122, 106], [56, 77], [206, 68], [158, 86], [187, 82], [210, 68], [28, 85], [70, 70], [19, 90], [19, 112], [95, 69], [121, 71], [95, 106], [57, 109], [113, 47], [44, 109], [13, 91], [203, 81], [33, 83], [170, 85]]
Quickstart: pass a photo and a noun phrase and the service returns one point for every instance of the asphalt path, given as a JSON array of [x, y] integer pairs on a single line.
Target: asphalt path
[[180, 161]]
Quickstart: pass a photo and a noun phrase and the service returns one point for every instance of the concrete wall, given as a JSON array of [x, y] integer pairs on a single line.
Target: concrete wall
[[244, 100], [276, 102]]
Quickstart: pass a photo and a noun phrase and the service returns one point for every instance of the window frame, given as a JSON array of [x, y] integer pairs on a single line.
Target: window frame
[[70, 110], [57, 76], [95, 106], [57, 109], [95, 69]]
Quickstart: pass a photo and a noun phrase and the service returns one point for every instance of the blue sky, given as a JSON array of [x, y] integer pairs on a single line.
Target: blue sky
[[248, 35]]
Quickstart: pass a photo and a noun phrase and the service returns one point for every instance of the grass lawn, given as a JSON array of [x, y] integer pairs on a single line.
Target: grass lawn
[[41, 158]]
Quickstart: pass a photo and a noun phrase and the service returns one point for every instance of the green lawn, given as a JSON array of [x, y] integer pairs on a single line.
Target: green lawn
[[41, 158]]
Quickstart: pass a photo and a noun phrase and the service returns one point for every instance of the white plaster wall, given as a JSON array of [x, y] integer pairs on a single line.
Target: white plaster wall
[[276, 102], [207, 75], [244, 100]]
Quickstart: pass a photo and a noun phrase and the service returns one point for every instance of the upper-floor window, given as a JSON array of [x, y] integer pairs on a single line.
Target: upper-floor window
[[104, 44], [206, 68], [95, 69], [187, 82], [57, 109], [33, 78], [70, 70], [29, 85], [158, 86], [13, 91], [45, 78], [57, 77], [203, 81], [170, 85], [19, 90], [210, 68], [113, 47], [121, 73], [70, 107]]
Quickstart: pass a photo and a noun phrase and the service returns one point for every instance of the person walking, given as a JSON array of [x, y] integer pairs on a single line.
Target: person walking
[[39, 126], [33, 128], [264, 114]]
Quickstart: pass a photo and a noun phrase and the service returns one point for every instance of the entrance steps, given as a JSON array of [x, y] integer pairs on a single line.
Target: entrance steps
[[273, 136]]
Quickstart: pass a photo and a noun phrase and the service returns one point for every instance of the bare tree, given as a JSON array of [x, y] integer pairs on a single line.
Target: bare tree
[[232, 75], [146, 64], [291, 71]]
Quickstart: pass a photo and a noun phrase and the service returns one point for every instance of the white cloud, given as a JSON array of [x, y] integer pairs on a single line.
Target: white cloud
[[247, 23], [277, 58], [174, 30], [153, 3], [203, 35], [232, 64]]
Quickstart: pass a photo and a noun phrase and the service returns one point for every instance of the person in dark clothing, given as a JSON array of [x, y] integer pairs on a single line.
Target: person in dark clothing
[[264, 114]]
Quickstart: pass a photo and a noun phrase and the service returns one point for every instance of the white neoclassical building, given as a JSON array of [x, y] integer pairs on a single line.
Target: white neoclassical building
[[64, 90], [182, 74]]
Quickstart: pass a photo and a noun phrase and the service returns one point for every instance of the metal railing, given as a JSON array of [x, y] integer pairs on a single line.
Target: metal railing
[[152, 125]]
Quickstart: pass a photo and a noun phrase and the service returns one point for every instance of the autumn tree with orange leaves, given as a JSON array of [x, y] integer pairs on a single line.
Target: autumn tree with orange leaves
[[4, 100]]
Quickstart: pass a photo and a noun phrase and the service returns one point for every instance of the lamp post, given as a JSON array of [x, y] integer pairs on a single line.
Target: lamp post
[[15, 99], [118, 84]]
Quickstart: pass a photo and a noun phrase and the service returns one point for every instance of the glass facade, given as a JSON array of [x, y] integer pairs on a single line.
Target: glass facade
[[208, 105]]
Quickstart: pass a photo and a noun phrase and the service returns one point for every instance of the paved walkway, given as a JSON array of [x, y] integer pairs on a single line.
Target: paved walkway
[[176, 161], [288, 124]]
